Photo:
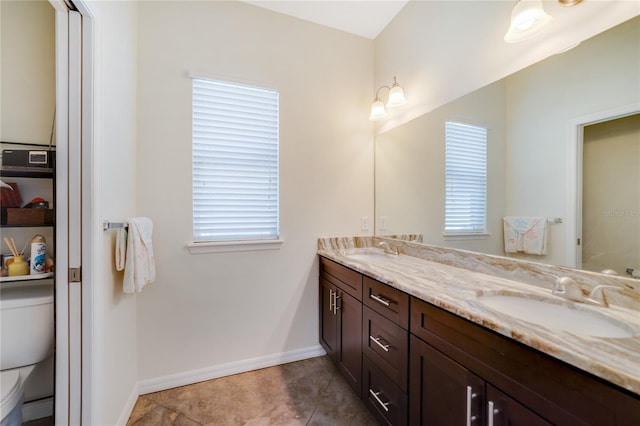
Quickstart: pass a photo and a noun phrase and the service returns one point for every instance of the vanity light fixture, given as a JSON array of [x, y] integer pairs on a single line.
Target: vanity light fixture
[[527, 19], [396, 98]]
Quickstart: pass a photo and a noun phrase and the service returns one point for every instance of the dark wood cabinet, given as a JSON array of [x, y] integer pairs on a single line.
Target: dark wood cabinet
[[328, 319], [414, 363], [449, 394], [341, 321], [541, 389]]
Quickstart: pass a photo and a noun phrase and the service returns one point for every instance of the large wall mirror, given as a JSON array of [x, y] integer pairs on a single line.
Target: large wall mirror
[[563, 143]]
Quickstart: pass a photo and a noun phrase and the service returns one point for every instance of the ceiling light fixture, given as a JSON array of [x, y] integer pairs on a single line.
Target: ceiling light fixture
[[528, 18], [396, 98], [569, 2]]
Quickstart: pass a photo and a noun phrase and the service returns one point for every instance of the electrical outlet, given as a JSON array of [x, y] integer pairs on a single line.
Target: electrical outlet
[[364, 223], [383, 223]]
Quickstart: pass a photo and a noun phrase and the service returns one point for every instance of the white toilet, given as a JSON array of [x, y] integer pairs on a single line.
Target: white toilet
[[27, 338]]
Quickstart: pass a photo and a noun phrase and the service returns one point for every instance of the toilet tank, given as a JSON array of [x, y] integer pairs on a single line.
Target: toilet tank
[[26, 325]]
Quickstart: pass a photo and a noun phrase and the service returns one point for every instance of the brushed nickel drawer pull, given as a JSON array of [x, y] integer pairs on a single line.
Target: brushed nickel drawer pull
[[331, 300], [377, 341], [492, 412], [470, 396], [375, 396], [381, 300], [335, 303]]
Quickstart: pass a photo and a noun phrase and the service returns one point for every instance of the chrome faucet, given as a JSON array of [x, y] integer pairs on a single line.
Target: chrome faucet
[[387, 248], [568, 288]]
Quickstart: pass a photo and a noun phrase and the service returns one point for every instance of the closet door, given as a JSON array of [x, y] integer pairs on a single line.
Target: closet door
[[68, 389]]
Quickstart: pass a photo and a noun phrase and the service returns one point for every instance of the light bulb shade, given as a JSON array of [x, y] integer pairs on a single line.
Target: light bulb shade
[[377, 110], [528, 18], [396, 96]]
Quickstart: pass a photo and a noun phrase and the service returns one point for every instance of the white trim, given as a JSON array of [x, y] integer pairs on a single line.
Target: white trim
[[91, 230], [37, 409], [575, 135], [233, 246], [236, 367], [128, 407]]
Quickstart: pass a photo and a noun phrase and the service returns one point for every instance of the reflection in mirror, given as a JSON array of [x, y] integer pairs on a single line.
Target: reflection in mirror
[[535, 120], [611, 195]]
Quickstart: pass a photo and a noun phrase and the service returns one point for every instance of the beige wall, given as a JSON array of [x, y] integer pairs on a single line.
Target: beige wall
[[27, 71], [611, 218], [27, 92], [210, 310]]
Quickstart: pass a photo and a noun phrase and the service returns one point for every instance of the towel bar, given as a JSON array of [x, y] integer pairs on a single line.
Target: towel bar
[[112, 225]]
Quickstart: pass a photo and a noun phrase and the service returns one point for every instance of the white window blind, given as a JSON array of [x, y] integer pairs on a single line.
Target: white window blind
[[465, 178], [235, 162]]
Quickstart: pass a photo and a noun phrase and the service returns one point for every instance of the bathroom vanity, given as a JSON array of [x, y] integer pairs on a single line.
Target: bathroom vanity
[[412, 339]]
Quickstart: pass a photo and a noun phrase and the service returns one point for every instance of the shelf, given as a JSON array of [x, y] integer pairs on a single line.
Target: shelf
[[27, 226], [26, 172], [27, 277]]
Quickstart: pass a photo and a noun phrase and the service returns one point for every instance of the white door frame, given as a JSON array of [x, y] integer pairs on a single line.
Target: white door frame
[[61, 282], [75, 226], [574, 175]]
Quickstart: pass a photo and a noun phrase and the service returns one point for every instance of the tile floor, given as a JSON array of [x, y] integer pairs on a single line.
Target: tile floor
[[309, 392]]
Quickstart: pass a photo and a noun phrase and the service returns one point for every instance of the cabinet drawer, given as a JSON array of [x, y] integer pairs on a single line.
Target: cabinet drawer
[[383, 398], [388, 301], [348, 280], [386, 345]]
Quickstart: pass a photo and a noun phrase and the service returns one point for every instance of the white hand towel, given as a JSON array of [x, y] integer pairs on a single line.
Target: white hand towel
[[525, 234], [140, 268]]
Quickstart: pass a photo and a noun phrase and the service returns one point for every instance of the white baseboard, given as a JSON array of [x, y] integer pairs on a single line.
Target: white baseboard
[[214, 372], [128, 408], [37, 409]]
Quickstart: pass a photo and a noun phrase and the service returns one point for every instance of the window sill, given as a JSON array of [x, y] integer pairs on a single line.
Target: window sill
[[467, 236], [233, 246]]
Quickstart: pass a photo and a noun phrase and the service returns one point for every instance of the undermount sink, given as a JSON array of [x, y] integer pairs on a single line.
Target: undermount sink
[[558, 315], [368, 254]]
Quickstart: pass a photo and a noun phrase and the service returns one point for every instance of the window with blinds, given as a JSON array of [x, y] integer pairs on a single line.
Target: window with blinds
[[235, 162], [465, 179]]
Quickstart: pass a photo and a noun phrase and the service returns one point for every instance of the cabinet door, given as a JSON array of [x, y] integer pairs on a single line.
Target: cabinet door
[[328, 319], [442, 392], [349, 360], [504, 411]]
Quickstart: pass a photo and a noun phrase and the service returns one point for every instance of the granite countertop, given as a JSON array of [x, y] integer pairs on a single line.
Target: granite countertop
[[456, 290]]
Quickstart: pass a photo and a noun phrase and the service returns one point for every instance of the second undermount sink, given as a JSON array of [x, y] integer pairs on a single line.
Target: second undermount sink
[[368, 254], [558, 315]]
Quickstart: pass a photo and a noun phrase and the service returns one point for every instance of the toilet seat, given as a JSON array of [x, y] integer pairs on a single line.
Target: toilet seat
[[11, 391]]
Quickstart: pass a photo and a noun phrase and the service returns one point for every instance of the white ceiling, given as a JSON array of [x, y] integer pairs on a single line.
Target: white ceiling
[[365, 18]]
